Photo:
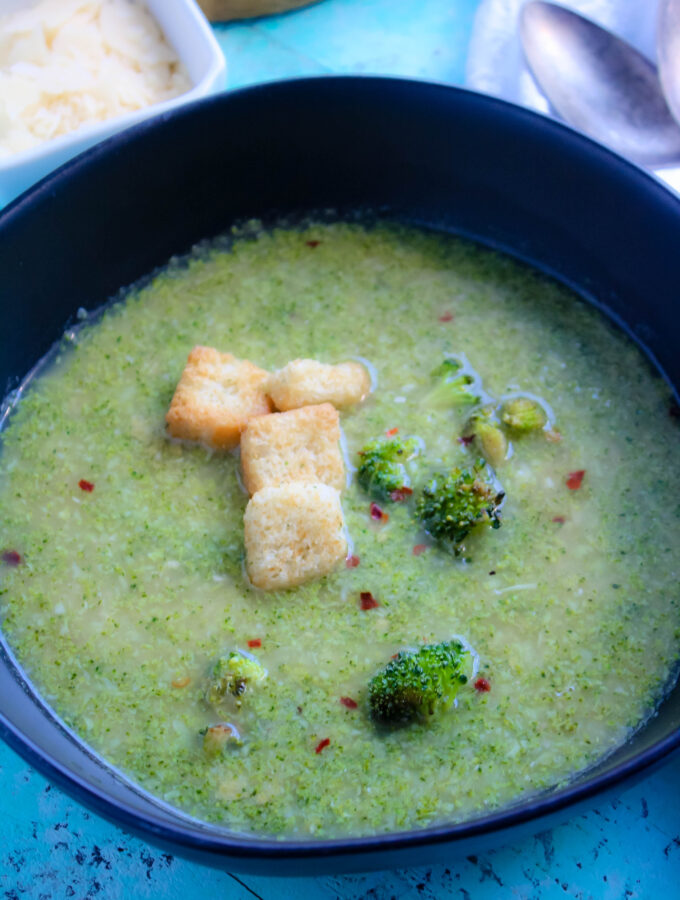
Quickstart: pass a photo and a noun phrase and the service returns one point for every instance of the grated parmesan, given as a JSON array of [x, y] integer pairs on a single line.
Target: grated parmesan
[[67, 63]]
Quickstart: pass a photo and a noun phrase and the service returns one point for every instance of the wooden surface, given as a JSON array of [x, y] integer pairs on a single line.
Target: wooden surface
[[52, 849], [224, 10]]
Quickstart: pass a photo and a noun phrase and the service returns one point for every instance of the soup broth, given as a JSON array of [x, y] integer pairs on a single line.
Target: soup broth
[[123, 576]]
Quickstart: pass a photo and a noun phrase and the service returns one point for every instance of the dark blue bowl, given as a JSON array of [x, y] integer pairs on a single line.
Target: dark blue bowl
[[438, 156]]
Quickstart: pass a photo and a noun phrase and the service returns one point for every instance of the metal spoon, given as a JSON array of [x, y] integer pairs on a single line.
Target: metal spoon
[[599, 83], [668, 49]]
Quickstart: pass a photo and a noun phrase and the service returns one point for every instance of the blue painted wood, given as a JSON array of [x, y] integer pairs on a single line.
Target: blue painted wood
[[424, 39], [51, 848]]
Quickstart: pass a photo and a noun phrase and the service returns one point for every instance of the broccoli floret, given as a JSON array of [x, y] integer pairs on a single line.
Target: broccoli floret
[[489, 438], [381, 468], [452, 505], [418, 683], [453, 387], [522, 414], [491, 441], [231, 676], [219, 738]]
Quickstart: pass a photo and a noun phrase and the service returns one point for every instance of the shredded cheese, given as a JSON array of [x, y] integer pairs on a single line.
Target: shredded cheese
[[68, 63]]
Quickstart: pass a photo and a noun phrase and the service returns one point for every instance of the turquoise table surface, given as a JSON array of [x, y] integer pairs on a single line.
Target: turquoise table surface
[[51, 848]]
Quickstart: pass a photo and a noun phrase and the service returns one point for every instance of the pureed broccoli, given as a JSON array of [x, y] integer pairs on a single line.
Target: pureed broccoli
[[419, 683]]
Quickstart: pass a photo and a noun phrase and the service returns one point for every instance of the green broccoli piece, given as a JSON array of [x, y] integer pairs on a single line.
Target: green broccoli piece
[[231, 676], [522, 415], [381, 470], [418, 683], [489, 438], [453, 387], [219, 738], [452, 505]]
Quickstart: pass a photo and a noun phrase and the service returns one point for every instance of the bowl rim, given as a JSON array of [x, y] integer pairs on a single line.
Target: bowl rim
[[217, 840], [247, 847]]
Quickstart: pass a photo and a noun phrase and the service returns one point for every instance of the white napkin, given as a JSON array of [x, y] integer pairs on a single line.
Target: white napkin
[[495, 63]]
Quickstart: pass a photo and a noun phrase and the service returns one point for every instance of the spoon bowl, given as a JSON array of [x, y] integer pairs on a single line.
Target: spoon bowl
[[668, 50], [599, 83]]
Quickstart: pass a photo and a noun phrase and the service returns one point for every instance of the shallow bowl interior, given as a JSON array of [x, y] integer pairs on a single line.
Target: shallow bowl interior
[[441, 157]]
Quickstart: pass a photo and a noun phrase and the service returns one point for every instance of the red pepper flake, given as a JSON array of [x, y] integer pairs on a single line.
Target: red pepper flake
[[367, 600], [348, 702], [352, 562], [255, 642], [575, 479], [85, 485], [11, 557], [554, 437], [419, 548], [392, 432], [559, 520], [482, 685], [322, 745], [402, 493], [312, 244], [446, 317], [377, 513], [466, 439]]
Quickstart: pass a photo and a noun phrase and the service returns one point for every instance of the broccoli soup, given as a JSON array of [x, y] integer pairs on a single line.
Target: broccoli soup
[[484, 603]]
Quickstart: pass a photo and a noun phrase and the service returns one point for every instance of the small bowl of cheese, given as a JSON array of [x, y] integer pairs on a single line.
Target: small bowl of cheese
[[73, 72]]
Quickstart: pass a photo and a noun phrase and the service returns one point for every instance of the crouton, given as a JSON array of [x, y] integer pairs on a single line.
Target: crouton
[[299, 445], [293, 533], [216, 396], [305, 381]]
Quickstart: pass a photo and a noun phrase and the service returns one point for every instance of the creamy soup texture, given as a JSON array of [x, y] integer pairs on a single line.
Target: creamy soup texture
[[122, 577]]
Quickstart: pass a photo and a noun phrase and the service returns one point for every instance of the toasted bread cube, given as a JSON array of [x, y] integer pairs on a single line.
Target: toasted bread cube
[[305, 381], [293, 533], [299, 445], [216, 396]]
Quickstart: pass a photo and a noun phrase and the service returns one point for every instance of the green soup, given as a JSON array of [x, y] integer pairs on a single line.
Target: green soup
[[117, 600]]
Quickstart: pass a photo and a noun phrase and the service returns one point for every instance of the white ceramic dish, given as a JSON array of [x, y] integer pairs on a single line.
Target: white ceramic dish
[[187, 30]]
